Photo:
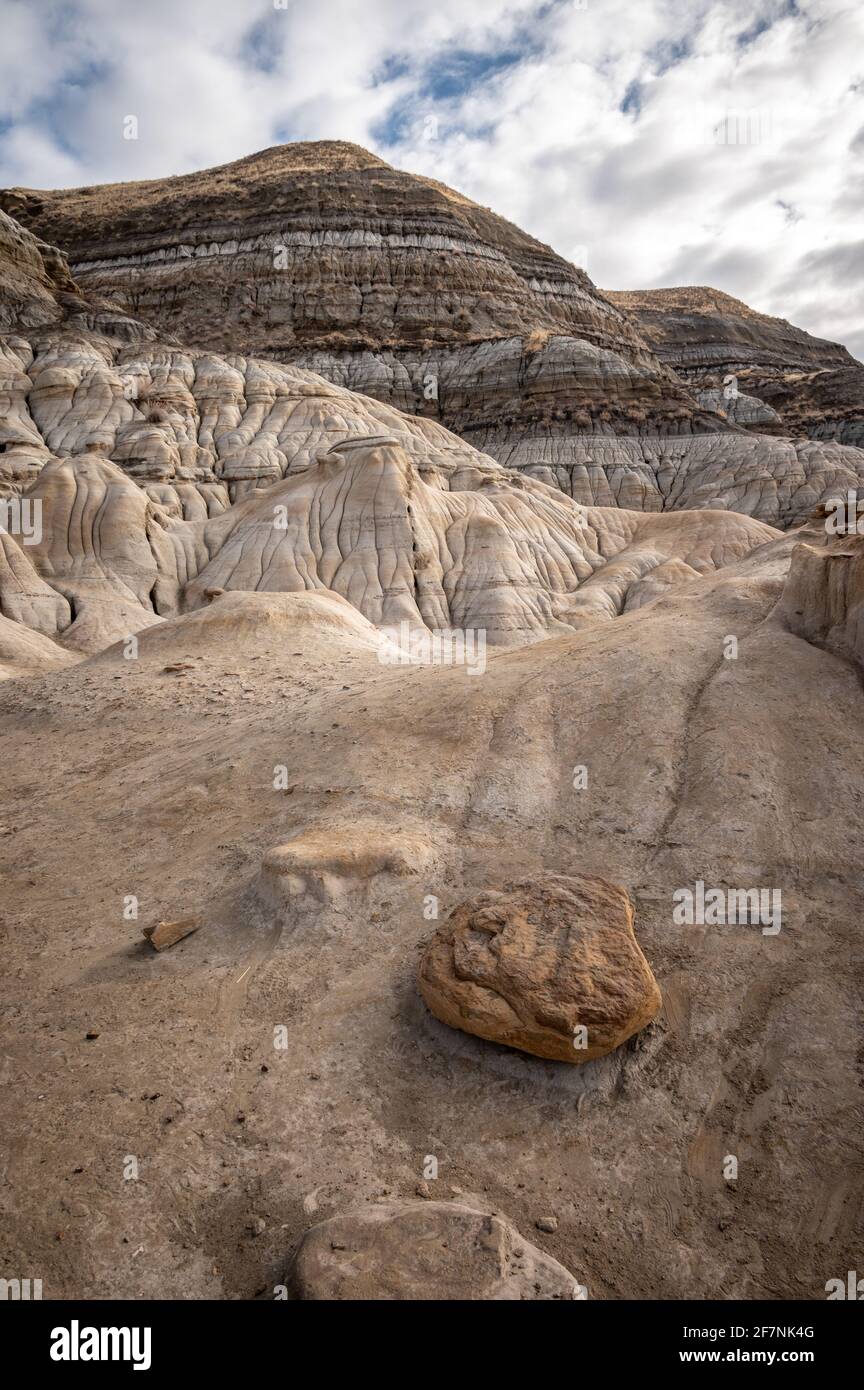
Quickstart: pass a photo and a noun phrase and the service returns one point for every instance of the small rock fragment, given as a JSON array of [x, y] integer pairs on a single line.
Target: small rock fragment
[[166, 934]]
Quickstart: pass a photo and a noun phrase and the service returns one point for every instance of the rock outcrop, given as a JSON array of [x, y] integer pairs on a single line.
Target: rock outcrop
[[425, 1251], [551, 967], [761, 372], [404, 544], [468, 548], [331, 866], [24, 651], [396, 287], [823, 597], [160, 475]]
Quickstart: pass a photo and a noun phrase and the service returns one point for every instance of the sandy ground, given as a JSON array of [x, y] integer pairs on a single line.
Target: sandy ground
[[122, 778]]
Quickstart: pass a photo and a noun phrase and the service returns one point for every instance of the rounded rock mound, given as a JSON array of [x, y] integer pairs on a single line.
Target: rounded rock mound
[[550, 966], [424, 1251]]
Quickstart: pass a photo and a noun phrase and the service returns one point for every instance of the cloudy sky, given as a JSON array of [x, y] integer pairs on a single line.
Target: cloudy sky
[[656, 142]]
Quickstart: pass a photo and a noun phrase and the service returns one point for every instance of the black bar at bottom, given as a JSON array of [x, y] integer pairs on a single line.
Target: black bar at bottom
[[66, 1338]]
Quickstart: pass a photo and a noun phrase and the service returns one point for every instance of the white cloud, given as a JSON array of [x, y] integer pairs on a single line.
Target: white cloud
[[530, 123]]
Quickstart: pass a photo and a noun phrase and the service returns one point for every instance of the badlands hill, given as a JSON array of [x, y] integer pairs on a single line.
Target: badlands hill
[[203, 722], [161, 473], [785, 380], [324, 257]]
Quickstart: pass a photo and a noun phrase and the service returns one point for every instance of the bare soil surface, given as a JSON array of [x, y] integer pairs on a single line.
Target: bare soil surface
[[121, 778]]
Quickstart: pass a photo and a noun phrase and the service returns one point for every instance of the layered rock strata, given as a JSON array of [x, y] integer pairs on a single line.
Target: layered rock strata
[[160, 474], [761, 372], [397, 287]]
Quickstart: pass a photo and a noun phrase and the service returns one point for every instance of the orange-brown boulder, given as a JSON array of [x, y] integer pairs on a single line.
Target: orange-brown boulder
[[550, 966]]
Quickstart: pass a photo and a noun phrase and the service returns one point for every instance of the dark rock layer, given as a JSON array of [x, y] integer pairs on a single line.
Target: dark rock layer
[[762, 372]]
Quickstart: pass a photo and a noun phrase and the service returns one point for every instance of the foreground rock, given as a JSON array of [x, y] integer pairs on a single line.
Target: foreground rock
[[549, 966], [424, 1250]]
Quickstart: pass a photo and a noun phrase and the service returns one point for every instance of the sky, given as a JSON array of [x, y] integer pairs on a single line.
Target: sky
[[654, 142]]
